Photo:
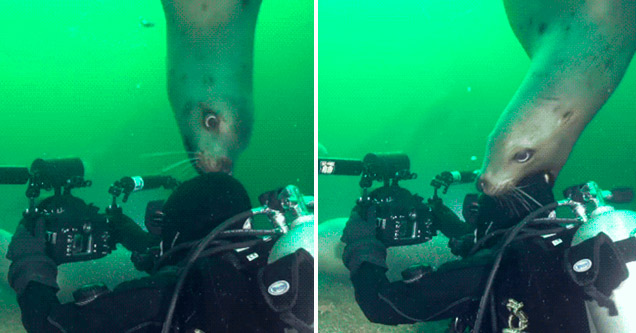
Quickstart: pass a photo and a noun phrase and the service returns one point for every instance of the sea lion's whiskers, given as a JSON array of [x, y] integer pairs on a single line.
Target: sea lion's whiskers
[[167, 153], [523, 200], [190, 173], [499, 202], [530, 197], [174, 165], [186, 171], [502, 203], [184, 166], [512, 207], [516, 199]]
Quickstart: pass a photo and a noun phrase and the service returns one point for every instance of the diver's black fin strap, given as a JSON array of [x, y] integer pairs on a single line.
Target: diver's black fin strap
[[597, 266], [287, 287]]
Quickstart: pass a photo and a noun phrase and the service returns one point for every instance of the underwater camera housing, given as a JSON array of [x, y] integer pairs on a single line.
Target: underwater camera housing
[[402, 218], [74, 230]]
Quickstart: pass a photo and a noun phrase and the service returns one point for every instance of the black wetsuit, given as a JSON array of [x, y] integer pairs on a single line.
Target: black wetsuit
[[531, 272], [221, 294]]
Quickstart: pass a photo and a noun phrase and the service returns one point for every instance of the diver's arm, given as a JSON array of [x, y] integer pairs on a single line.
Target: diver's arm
[[449, 292], [126, 232], [446, 221], [137, 303], [36, 303], [444, 293], [367, 281]]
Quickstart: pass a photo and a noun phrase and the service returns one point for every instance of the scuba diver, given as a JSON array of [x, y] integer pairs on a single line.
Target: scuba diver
[[223, 291], [527, 280]]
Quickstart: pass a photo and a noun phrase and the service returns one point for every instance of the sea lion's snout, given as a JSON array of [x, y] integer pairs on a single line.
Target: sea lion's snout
[[225, 165], [494, 185], [487, 187], [205, 163]]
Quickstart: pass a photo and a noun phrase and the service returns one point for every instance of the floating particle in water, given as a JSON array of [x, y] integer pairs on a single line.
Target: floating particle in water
[[469, 89], [145, 23], [473, 158], [138, 85]]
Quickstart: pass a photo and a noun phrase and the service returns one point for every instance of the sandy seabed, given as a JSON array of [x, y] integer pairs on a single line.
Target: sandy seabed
[[338, 312]]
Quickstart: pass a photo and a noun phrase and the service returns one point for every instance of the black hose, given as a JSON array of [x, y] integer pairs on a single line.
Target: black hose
[[249, 232], [180, 248], [491, 278], [193, 257], [231, 246], [480, 243], [224, 234]]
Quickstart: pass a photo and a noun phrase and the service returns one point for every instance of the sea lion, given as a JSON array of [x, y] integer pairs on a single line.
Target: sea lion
[[579, 52], [210, 46]]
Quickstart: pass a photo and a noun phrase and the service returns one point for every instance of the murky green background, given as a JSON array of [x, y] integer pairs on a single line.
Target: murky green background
[[430, 78], [85, 79]]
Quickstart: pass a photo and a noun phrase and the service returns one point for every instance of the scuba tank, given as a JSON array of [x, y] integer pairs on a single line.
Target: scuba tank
[[299, 210], [618, 225], [287, 282]]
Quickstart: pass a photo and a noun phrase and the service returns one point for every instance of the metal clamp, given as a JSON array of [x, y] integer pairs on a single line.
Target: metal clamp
[[516, 315]]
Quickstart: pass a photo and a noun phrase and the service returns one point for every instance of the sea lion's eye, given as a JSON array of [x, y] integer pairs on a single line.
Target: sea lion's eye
[[523, 156], [211, 121]]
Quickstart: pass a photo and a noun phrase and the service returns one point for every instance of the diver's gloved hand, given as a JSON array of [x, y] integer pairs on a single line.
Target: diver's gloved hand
[[29, 259], [362, 244], [461, 246], [446, 221], [145, 262], [124, 231]]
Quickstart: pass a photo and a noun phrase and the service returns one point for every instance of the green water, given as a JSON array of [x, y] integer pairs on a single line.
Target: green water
[[430, 79], [85, 79]]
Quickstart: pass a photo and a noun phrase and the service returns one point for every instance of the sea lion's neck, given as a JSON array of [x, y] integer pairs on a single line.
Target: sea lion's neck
[[577, 56], [579, 53], [212, 52], [210, 46]]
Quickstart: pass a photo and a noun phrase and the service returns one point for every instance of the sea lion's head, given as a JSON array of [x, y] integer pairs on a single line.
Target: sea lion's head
[[216, 132], [528, 143]]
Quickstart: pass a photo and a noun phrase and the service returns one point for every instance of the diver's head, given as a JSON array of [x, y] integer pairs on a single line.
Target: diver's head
[[199, 205], [532, 193]]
